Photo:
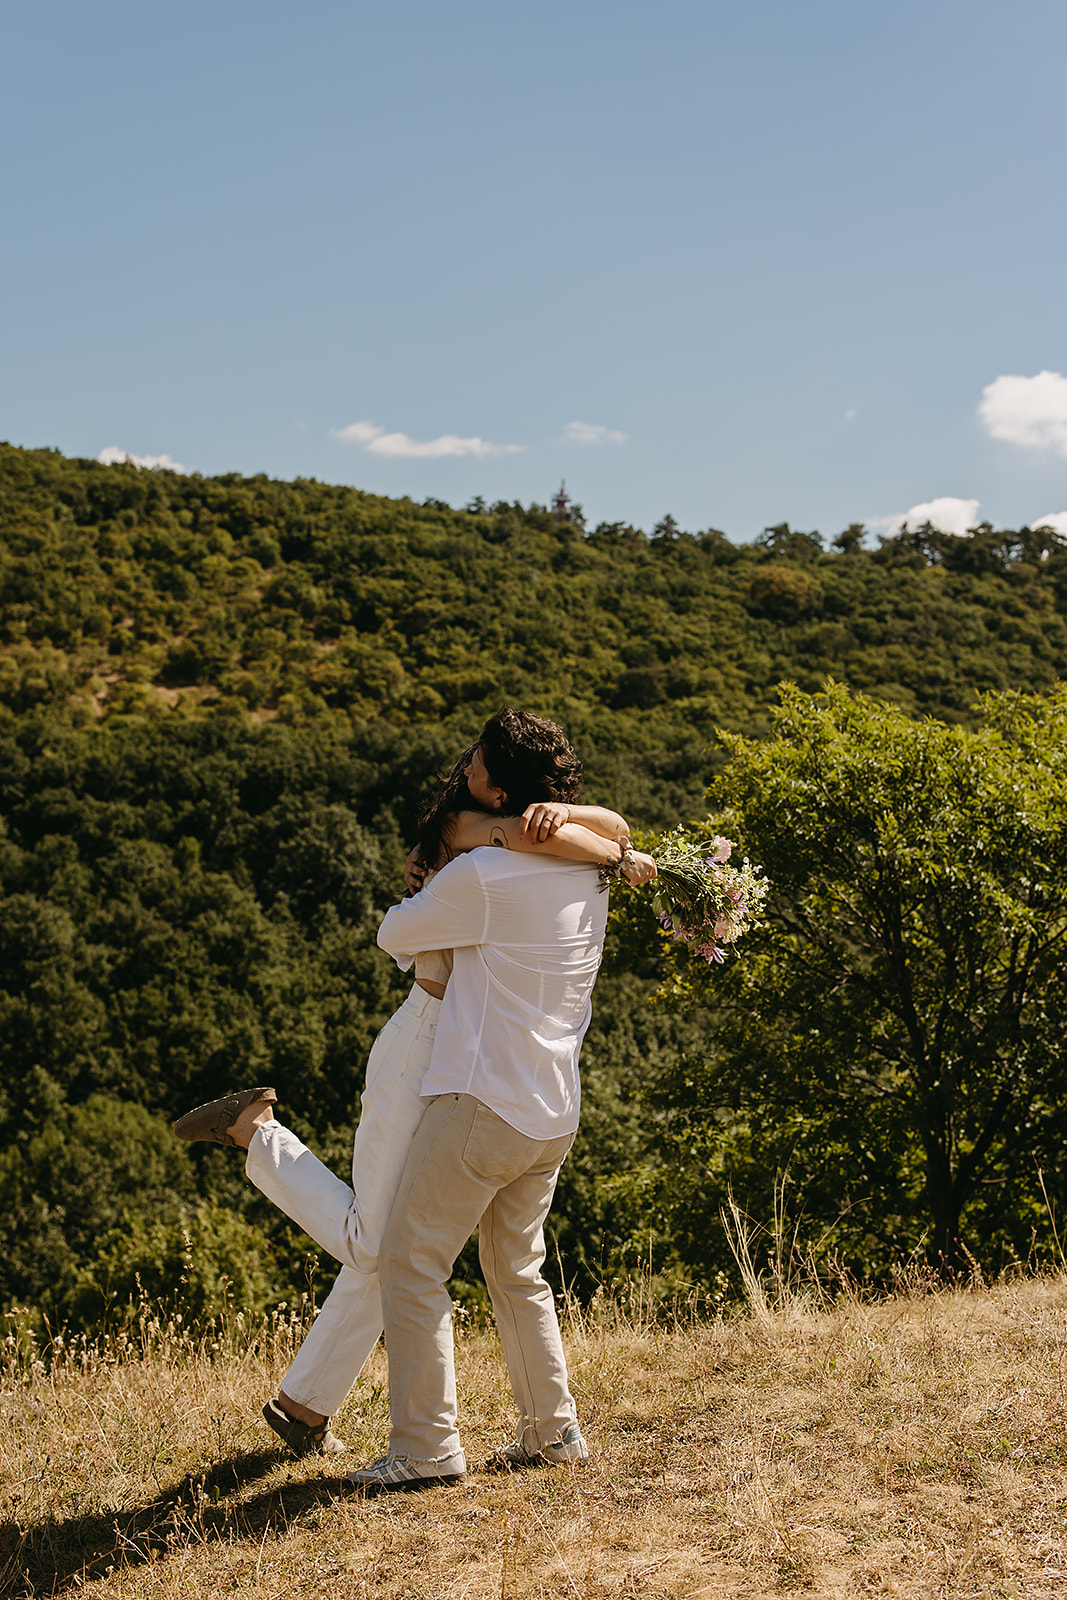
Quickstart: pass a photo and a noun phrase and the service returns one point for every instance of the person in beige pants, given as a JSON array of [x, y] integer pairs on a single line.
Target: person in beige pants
[[468, 1169], [503, 1103]]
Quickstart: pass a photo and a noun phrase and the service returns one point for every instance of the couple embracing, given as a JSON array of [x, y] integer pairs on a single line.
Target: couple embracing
[[470, 1106]]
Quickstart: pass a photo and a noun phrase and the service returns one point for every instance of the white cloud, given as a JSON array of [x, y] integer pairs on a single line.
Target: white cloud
[[379, 443], [594, 433], [112, 456], [947, 514], [1056, 520], [1027, 411]]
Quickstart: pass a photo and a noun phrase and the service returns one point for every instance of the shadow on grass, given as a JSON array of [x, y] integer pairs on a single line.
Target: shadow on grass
[[51, 1556]]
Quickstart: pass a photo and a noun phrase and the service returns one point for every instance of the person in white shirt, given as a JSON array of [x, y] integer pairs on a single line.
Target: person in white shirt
[[503, 1107]]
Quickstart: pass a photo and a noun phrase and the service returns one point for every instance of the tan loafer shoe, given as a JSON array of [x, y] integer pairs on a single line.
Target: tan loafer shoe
[[303, 1438], [214, 1120]]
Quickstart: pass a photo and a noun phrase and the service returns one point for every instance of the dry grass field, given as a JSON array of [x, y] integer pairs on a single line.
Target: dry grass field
[[914, 1446]]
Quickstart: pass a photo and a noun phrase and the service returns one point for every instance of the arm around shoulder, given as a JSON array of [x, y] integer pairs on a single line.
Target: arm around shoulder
[[570, 842], [543, 819], [449, 913], [600, 820]]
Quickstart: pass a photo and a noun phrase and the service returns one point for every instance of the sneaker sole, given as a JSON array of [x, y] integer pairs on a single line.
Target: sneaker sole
[[535, 1464], [369, 1490]]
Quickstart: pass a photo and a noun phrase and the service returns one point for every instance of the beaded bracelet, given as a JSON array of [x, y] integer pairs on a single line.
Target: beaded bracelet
[[614, 869]]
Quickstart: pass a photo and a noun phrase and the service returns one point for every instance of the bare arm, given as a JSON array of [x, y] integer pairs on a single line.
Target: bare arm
[[541, 824], [570, 842], [545, 817]]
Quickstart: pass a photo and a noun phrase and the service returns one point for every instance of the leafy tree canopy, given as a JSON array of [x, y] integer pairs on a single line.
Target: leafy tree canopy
[[892, 1037]]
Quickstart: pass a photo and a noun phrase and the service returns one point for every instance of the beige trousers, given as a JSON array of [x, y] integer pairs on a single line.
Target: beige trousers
[[468, 1168]]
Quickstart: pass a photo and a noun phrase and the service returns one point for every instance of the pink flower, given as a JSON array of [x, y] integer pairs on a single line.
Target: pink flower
[[720, 851], [722, 927], [708, 952]]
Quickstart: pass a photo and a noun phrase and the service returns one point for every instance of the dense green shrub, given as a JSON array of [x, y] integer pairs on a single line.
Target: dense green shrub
[[204, 1262]]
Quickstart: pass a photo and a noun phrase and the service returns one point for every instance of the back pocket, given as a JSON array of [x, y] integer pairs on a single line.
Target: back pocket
[[497, 1152]]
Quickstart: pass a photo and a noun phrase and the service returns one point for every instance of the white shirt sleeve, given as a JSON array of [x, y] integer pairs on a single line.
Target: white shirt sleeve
[[451, 912]]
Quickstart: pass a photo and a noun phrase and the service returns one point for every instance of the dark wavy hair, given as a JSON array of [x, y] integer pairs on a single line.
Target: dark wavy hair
[[526, 756], [530, 759]]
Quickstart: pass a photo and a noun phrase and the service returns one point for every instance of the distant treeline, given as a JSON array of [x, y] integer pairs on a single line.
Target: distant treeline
[[220, 703], [126, 592]]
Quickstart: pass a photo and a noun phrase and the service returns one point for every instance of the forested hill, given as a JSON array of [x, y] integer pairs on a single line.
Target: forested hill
[[220, 702], [129, 593]]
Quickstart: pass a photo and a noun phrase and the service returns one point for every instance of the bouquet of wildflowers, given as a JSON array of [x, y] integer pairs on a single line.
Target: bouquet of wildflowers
[[700, 898]]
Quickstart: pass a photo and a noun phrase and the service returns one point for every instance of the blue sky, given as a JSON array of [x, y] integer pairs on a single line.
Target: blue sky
[[768, 257]]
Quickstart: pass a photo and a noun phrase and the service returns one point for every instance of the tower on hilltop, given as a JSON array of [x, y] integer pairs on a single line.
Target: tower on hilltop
[[561, 505]]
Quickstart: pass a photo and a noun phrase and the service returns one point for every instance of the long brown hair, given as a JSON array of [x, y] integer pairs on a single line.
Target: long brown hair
[[451, 797]]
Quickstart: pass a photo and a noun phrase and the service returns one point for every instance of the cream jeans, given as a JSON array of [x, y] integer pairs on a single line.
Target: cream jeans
[[468, 1168], [349, 1222]]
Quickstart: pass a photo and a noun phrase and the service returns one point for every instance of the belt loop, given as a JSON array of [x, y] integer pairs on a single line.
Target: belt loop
[[422, 1000]]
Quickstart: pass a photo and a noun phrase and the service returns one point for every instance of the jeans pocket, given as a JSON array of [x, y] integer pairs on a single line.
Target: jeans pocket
[[495, 1151], [381, 1051]]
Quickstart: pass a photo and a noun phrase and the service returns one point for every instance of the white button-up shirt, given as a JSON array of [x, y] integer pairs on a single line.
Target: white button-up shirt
[[528, 933]]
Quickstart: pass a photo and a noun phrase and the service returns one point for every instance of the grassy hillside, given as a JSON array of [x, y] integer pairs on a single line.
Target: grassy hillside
[[913, 1447]]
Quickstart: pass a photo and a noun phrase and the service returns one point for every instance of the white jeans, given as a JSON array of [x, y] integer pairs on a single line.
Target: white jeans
[[349, 1222]]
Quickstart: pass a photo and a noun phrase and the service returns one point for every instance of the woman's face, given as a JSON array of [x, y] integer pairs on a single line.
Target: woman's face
[[481, 789]]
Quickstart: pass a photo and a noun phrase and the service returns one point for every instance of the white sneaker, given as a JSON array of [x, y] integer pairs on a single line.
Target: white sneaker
[[406, 1472], [567, 1447]]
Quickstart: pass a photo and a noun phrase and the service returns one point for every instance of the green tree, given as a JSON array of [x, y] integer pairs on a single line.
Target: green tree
[[893, 1035], [205, 1261]]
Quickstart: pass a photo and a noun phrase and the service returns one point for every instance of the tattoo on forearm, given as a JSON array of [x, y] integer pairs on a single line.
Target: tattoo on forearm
[[498, 837]]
